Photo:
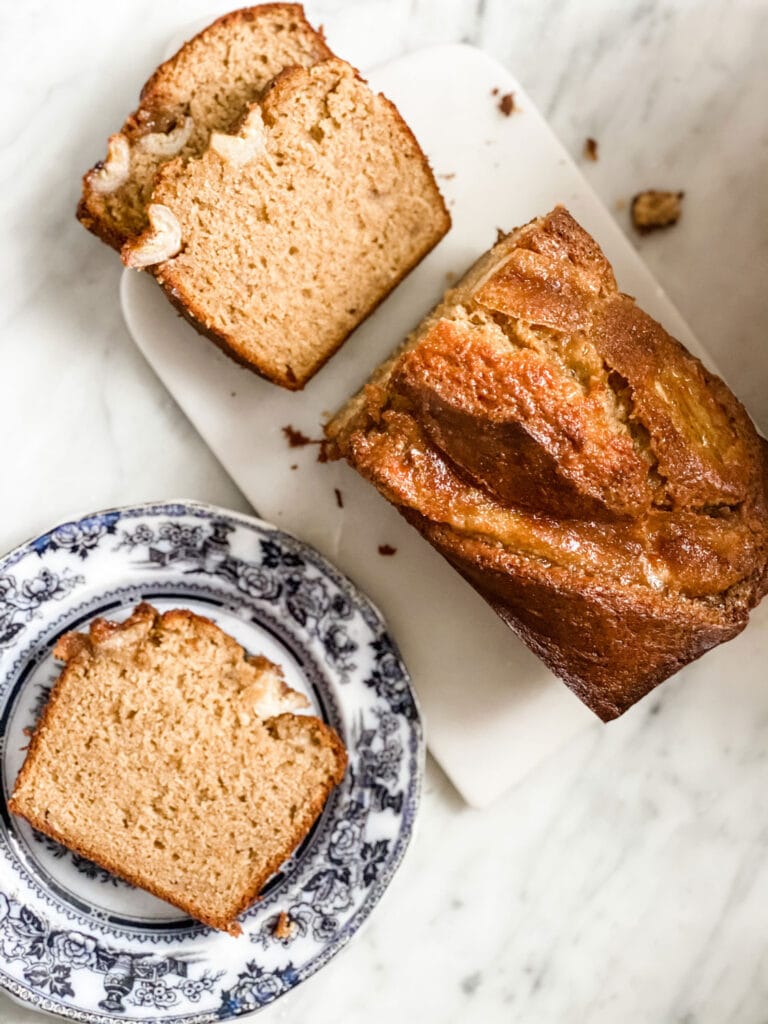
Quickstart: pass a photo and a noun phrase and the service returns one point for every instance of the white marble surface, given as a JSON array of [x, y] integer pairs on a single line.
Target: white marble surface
[[627, 880]]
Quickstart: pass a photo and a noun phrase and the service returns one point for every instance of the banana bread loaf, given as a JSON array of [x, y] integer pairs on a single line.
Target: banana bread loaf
[[603, 491], [219, 780]]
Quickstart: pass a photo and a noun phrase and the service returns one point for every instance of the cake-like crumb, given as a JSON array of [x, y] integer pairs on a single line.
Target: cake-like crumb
[[655, 209], [209, 742], [295, 438], [590, 149], [507, 104], [284, 926]]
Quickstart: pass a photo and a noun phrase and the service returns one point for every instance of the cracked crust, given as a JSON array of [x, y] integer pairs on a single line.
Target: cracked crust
[[601, 489]]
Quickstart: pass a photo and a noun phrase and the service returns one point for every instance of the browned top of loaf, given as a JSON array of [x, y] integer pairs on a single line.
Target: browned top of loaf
[[219, 780], [574, 461], [288, 234], [205, 87]]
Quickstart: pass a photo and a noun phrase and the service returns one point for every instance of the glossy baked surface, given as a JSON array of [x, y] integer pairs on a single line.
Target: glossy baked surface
[[587, 474]]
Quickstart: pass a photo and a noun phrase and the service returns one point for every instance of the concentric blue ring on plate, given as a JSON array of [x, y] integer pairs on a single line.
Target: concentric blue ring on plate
[[76, 941]]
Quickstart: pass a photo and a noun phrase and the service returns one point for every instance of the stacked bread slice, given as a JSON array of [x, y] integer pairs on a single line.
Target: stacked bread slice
[[274, 197]]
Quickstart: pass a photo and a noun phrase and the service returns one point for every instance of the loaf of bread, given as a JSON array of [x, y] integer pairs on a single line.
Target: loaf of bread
[[204, 88], [603, 491], [284, 235], [172, 759]]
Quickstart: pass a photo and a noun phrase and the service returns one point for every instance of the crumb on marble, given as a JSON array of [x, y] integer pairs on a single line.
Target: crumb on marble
[[621, 204], [507, 104], [295, 466], [495, 92], [387, 549], [655, 209], [447, 177], [590, 149], [339, 497], [450, 276]]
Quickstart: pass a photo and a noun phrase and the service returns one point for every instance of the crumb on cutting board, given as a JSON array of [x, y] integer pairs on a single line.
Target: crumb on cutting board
[[590, 149], [507, 104], [298, 439], [295, 438], [655, 209]]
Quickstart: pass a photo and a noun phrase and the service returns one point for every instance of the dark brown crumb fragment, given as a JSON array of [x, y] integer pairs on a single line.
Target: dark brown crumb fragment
[[387, 549], [284, 927], [656, 209], [495, 92], [295, 437], [339, 498], [500, 235], [590, 149], [323, 452], [507, 104], [294, 466]]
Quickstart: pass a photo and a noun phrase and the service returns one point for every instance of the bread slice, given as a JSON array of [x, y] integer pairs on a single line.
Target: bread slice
[[604, 492], [282, 238], [171, 758], [205, 87]]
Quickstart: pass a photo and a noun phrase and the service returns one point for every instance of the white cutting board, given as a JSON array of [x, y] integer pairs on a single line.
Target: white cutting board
[[492, 711]]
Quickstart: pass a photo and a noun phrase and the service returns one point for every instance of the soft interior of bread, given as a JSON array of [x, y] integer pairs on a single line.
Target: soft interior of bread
[[152, 761], [212, 79], [284, 255], [539, 410]]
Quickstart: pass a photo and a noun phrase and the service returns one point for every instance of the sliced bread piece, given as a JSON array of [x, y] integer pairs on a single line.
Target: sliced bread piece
[[219, 780], [205, 87], [281, 239]]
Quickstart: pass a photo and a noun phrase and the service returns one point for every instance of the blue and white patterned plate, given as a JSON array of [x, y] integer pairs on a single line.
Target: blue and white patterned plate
[[76, 941]]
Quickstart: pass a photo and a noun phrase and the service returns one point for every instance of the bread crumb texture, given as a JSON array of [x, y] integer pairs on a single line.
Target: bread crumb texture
[[173, 759], [655, 209], [294, 228], [204, 88]]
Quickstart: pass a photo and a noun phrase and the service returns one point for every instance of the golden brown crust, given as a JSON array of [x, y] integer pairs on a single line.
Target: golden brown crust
[[72, 648], [601, 489]]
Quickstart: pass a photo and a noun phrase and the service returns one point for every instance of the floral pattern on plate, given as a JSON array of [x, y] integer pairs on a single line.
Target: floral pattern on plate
[[75, 942]]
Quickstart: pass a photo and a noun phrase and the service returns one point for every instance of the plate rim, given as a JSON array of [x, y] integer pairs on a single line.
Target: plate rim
[[33, 999]]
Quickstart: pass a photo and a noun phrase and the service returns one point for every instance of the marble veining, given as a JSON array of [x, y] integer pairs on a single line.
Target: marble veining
[[627, 879]]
